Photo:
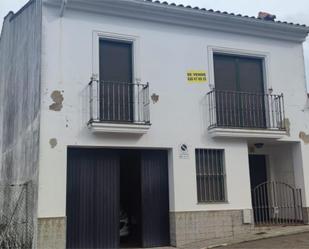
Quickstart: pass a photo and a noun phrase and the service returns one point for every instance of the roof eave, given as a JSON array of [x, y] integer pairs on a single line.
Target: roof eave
[[189, 17]]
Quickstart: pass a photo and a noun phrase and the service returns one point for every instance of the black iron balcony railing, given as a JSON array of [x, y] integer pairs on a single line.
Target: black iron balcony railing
[[232, 109], [119, 102]]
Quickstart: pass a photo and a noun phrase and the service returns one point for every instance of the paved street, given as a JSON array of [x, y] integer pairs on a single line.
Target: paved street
[[299, 241]]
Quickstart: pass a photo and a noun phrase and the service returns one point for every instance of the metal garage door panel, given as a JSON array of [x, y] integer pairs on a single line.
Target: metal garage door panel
[[92, 199], [155, 199]]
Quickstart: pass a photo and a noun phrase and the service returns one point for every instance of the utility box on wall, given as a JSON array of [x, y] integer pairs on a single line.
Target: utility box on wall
[[247, 216]]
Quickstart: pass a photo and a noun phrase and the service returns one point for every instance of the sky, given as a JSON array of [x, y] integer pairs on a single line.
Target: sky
[[292, 11]]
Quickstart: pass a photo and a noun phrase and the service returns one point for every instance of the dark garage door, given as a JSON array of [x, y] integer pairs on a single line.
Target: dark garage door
[[93, 189], [92, 199]]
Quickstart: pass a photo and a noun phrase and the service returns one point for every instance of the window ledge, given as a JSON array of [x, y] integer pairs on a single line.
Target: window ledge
[[212, 203], [133, 128], [246, 133]]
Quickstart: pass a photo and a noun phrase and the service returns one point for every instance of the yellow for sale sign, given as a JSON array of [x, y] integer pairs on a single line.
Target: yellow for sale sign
[[197, 76]]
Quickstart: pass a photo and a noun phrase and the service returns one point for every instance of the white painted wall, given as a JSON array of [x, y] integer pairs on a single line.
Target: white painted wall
[[280, 162], [165, 53]]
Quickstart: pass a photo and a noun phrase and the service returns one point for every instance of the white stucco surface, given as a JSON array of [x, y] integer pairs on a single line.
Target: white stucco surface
[[164, 53]]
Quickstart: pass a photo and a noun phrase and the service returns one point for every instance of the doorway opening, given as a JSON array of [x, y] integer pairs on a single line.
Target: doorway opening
[[274, 201], [117, 198], [258, 170], [258, 176], [130, 229]]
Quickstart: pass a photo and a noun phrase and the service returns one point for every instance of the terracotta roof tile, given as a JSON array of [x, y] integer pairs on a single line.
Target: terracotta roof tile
[[222, 12]]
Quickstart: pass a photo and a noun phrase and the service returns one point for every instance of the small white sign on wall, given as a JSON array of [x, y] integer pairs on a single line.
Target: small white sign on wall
[[183, 151]]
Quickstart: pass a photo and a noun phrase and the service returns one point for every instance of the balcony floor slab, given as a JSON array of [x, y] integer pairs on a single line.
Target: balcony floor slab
[[217, 132], [133, 128]]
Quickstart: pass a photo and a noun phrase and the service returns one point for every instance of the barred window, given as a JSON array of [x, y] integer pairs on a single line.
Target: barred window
[[210, 175]]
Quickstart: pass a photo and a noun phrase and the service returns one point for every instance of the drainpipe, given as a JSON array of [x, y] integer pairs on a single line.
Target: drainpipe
[[63, 5]]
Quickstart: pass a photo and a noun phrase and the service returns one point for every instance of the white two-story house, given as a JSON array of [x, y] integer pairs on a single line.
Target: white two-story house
[[148, 124]]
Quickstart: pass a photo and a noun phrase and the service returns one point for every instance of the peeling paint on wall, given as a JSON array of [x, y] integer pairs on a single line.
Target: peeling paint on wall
[[305, 137], [53, 142], [57, 98], [154, 98]]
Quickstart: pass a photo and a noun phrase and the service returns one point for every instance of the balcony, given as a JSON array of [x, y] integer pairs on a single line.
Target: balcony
[[248, 115], [118, 107]]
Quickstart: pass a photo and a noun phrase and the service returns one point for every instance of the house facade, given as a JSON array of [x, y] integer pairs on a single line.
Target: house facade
[[166, 125]]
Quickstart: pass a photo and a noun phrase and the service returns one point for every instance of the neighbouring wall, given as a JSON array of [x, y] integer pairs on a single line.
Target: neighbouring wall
[[20, 56]]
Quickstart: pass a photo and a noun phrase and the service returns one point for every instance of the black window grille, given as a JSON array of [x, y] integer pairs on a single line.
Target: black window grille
[[210, 175]]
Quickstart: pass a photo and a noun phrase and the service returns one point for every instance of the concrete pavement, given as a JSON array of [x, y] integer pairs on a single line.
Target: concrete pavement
[[296, 241]]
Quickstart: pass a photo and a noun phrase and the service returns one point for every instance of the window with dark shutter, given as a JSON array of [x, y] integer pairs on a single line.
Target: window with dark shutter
[[240, 98], [116, 86], [210, 175]]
